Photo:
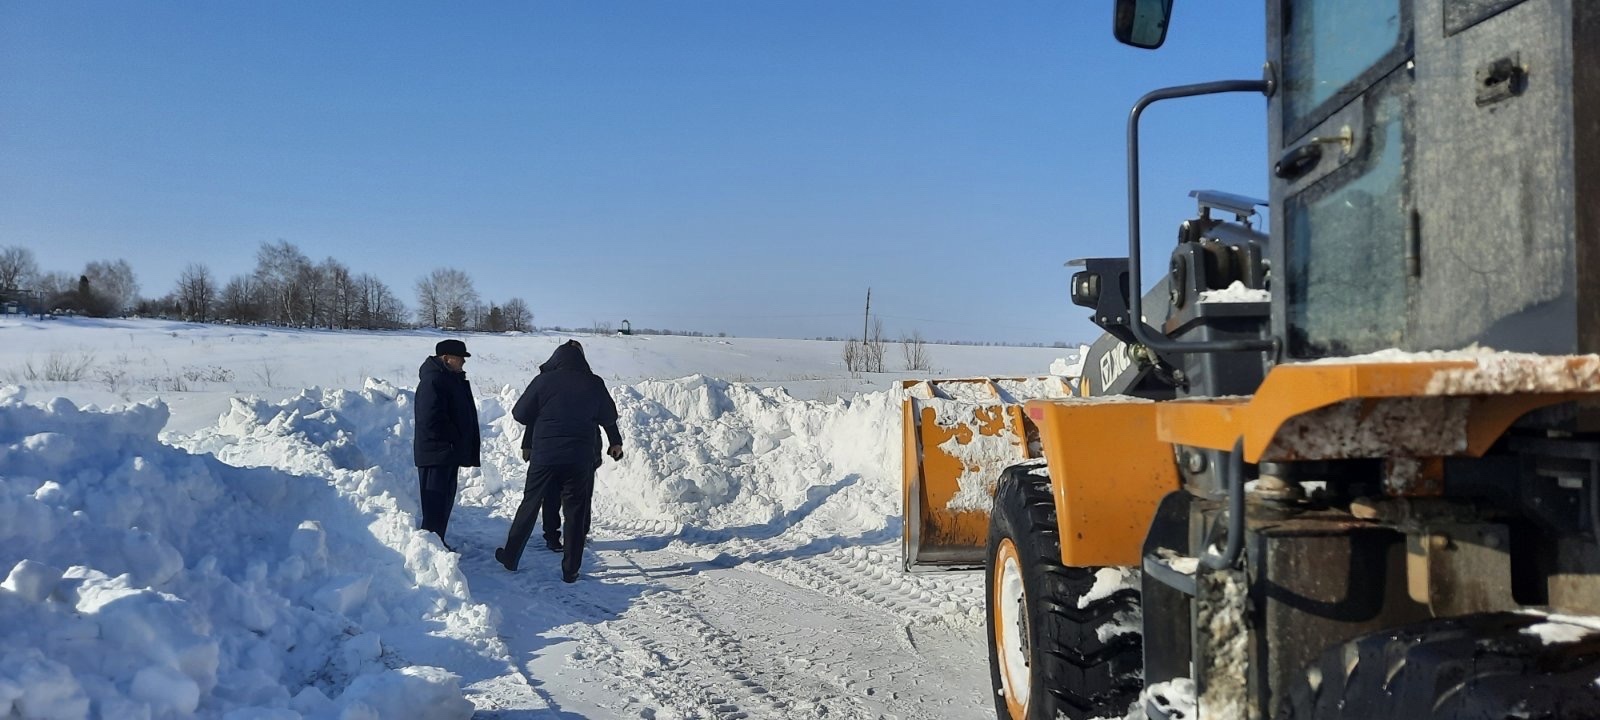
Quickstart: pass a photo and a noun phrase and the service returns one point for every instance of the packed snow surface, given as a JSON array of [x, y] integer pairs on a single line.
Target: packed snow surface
[[220, 522]]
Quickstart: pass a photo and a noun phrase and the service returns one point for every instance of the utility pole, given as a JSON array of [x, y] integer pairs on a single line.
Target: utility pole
[[864, 318]]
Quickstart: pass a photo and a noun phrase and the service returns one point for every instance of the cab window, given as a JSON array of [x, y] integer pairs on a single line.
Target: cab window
[[1328, 46]]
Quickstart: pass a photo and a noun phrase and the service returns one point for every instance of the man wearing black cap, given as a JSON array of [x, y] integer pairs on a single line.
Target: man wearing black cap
[[446, 434]]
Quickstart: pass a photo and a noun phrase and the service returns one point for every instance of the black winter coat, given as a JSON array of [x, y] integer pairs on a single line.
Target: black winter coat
[[447, 419], [562, 407]]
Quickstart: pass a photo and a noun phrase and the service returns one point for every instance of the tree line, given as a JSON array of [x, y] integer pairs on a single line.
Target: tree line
[[285, 288]]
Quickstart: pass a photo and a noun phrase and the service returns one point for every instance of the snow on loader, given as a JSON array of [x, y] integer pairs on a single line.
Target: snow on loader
[[1342, 461]]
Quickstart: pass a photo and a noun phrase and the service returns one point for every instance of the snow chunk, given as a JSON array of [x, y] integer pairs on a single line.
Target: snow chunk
[[35, 686], [1562, 628], [1175, 697], [342, 595], [1070, 367], [1107, 582], [1557, 633], [1235, 293], [166, 690], [34, 581], [1179, 563], [419, 693]]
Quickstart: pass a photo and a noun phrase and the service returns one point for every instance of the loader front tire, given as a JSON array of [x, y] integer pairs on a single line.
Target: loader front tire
[[1056, 648]]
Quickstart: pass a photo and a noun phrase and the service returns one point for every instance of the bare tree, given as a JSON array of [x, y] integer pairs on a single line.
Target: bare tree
[[280, 274], [340, 293], [240, 300], [430, 312], [915, 352], [312, 283], [441, 294], [853, 356], [54, 288], [455, 290], [17, 268], [518, 317], [114, 288], [601, 327], [196, 292], [378, 306], [873, 347]]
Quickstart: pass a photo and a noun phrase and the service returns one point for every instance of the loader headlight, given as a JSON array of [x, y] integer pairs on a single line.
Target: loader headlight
[[1086, 289]]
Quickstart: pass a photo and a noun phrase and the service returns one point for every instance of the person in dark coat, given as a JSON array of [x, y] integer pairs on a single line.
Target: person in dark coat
[[446, 437], [550, 504], [562, 408]]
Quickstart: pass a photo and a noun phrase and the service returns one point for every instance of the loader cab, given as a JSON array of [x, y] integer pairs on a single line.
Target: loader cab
[[1434, 166], [1431, 186]]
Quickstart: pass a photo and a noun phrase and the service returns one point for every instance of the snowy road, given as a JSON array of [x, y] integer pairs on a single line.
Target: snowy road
[[663, 628], [260, 560]]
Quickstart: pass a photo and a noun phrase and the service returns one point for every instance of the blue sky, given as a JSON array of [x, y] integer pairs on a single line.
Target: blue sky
[[740, 166]]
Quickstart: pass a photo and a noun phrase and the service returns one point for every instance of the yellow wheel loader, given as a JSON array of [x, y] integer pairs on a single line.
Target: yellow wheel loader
[[1342, 460]]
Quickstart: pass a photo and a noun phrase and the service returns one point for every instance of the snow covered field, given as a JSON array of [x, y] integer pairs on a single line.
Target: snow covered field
[[219, 521]]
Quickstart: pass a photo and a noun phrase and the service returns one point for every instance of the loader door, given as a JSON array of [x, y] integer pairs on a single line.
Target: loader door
[[1341, 133]]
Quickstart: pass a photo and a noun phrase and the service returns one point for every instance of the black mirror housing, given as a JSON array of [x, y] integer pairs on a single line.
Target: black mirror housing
[[1142, 23]]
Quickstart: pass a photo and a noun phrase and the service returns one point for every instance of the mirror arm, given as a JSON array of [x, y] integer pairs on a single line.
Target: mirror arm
[[1146, 336]]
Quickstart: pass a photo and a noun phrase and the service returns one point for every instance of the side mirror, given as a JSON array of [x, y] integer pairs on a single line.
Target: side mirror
[[1142, 23]]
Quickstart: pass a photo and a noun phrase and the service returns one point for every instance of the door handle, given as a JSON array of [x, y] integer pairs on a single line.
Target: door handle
[[1298, 161]]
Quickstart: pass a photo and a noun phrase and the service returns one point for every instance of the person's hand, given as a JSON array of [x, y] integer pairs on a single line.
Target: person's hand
[[526, 455], [615, 451]]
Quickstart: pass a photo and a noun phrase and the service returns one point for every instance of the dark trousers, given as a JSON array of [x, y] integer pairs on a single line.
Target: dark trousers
[[437, 486], [550, 506], [577, 494]]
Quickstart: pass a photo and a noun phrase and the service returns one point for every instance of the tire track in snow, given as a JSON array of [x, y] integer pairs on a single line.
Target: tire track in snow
[[735, 673], [867, 576], [658, 651], [861, 574], [854, 664], [679, 623], [663, 669]]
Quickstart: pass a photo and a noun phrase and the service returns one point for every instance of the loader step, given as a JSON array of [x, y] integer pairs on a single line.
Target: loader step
[[1162, 570]]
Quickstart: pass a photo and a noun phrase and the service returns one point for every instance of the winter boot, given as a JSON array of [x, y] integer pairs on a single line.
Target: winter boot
[[500, 555]]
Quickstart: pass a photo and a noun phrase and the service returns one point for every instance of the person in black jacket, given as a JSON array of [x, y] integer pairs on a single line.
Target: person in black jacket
[[446, 438], [550, 504], [562, 407]]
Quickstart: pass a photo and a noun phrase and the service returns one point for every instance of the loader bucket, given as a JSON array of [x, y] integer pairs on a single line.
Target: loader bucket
[[958, 435]]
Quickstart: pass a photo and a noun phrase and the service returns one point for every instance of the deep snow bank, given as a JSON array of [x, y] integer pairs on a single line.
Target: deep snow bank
[[700, 452], [276, 571], [144, 581], [721, 455]]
